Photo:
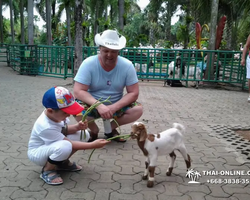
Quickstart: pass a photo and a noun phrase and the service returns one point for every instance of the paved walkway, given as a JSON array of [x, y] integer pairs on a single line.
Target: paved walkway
[[115, 172]]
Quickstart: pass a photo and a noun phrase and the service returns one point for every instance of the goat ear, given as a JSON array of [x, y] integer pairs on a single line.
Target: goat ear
[[143, 135]]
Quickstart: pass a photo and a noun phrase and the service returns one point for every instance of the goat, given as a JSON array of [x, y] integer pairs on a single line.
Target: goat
[[143, 67], [193, 72], [154, 145], [174, 69]]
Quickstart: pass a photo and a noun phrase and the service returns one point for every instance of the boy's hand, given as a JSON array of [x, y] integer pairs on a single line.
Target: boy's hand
[[99, 143], [82, 125]]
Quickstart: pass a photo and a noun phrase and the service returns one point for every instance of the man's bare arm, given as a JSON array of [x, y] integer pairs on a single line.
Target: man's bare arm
[[131, 96], [81, 93]]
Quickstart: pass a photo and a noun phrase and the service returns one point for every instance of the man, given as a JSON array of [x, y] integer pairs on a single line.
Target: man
[[107, 75], [246, 62]]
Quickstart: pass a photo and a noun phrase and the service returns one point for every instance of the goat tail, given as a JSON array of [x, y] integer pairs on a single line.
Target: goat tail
[[180, 127]]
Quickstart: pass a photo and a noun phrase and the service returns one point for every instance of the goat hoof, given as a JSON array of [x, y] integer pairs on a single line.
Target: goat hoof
[[168, 173], [150, 184], [145, 178]]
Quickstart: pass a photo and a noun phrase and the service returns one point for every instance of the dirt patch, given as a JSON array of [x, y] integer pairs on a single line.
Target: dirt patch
[[244, 133]]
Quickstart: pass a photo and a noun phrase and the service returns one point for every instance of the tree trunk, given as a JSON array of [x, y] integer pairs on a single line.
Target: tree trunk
[[111, 14], [48, 22], [12, 23], [68, 25], [152, 34], [31, 22], [186, 38], [78, 34], [22, 22], [168, 21], [121, 14], [229, 31], [1, 22], [53, 22], [211, 46], [96, 24]]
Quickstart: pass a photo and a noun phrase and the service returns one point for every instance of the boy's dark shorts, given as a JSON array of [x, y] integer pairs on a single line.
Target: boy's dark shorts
[[96, 115]]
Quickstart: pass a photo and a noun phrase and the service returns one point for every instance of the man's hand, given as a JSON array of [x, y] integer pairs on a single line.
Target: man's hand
[[105, 111]]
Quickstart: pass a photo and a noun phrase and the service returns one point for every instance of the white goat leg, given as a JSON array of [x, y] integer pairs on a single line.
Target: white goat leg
[[171, 164], [151, 169], [186, 157], [151, 175], [145, 175]]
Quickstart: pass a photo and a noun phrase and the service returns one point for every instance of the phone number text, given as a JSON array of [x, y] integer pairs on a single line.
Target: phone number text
[[228, 181]]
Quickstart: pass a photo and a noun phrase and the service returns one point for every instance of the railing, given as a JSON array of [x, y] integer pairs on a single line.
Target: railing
[[23, 58], [55, 61], [4, 53], [150, 64]]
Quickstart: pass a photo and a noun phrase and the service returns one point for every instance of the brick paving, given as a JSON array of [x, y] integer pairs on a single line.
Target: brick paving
[[115, 172]]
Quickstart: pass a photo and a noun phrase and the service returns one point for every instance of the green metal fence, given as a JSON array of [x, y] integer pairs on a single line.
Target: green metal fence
[[226, 65], [54, 61], [150, 64], [23, 59], [4, 53]]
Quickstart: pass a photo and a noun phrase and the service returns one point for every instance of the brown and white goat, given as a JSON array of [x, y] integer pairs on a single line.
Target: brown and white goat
[[154, 145]]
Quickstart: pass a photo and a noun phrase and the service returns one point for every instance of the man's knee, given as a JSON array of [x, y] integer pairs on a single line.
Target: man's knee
[[139, 110], [136, 111]]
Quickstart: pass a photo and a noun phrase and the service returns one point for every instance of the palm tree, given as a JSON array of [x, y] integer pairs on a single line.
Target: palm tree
[[121, 14], [12, 22], [22, 21], [213, 21], [1, 21], [78, 34], [30, 22], [66, 5], [68, 18], [48, 22], [171, 8], [153, 10]]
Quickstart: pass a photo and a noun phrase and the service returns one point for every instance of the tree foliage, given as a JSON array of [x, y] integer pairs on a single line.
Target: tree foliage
[[149, 26]]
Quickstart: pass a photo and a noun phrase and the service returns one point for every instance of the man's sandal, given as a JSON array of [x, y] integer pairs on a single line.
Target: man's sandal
[[48, 178], [65, 166], [113, 134], [93, 137]]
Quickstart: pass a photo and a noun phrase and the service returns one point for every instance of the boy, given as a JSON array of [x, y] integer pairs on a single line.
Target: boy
[[52, 141]]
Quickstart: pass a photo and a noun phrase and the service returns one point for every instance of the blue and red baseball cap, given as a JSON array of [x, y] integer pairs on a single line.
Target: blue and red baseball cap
[[61, 98]]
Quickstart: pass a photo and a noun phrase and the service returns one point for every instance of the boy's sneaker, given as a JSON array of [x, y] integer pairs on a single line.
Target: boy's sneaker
[[248, 100]]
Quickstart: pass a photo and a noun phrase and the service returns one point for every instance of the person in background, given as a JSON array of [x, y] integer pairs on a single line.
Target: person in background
[[107, 75], [52, 141], [245, 61]]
